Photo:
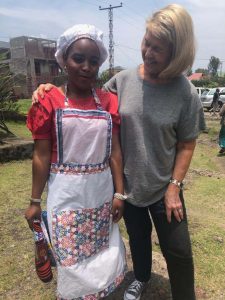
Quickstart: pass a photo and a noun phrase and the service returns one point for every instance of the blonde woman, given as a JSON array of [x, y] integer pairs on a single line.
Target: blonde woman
[[161, 117]]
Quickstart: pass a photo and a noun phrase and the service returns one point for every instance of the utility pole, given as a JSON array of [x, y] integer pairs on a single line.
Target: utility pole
[[111, 43], [221, 68]]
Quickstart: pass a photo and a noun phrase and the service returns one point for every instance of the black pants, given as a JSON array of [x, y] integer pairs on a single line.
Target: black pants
[[174, 242]]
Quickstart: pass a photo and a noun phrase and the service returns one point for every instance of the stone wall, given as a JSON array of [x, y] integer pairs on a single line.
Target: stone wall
[[15, 149]]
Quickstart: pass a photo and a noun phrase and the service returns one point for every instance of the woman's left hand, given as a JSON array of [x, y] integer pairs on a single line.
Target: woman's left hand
[[31, 213], [117, 209], [173, 203]]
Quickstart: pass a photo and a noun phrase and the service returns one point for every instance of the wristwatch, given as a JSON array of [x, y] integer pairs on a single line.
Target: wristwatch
[[177, 183]]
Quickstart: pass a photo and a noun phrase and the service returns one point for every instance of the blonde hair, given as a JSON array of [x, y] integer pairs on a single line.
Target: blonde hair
[[174, 25]]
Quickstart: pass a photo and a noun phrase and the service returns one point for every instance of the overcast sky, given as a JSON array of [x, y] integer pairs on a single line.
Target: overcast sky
[[48, 19]]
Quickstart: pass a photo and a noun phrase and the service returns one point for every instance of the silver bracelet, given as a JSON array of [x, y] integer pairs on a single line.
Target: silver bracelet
[[177, 183], [120, 196], [35, 200]]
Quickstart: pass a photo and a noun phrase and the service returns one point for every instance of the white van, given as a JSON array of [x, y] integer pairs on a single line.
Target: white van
[[207, 97], [201, 90]]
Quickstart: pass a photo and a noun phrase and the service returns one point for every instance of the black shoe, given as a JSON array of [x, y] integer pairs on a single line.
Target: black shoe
[[135, 290]]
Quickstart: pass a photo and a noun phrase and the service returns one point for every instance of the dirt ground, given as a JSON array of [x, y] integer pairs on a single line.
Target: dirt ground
[[159, 286], [158, 289]]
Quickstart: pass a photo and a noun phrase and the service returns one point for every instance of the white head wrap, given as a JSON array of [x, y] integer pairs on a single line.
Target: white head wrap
[[75, 33]]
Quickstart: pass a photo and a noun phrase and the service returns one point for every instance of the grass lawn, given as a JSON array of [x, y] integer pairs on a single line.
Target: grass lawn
[[24, 105], [205, 204], [204, 194], [18, 127]]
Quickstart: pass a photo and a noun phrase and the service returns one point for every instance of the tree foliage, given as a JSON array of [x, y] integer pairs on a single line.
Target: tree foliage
[[106, 75], [7, 103], [209, 83], [103, 78], [213, 65], [202, 70]]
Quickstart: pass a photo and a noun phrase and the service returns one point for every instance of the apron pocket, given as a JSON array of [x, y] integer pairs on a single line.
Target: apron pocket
[[80, 234]]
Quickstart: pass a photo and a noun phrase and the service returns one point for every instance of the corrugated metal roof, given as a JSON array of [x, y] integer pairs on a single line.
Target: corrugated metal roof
[[195, 76]]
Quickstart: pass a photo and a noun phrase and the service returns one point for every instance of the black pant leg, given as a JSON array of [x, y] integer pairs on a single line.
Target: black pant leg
[[139, 227], [175, 244]]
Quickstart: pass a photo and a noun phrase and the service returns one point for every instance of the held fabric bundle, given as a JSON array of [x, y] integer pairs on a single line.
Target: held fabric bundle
[[44, 258]]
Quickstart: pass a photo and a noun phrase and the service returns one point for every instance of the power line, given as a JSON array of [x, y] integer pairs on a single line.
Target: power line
[[138, 28], [223, 60], [124, 46], [134, 12], [126, 55], [111, 44]]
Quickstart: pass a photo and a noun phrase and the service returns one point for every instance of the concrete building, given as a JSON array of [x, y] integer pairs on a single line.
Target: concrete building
[[31, 61], [5, 56]]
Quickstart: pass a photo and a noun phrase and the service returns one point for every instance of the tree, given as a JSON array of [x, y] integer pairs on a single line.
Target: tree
[[103, 78], [213, 65], [201, 70], [106, 75], [7, 102]]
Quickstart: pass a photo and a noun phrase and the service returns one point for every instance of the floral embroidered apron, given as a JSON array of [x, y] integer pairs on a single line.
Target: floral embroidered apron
[[87, 245]]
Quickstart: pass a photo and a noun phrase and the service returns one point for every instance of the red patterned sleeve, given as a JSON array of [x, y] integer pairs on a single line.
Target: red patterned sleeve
[[39, 119]]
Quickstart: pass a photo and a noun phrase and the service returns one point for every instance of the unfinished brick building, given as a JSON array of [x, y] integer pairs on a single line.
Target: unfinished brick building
[[31, 61], [5, 56]]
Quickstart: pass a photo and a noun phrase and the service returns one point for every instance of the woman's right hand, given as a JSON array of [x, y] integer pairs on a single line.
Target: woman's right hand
[[40, 91], [31, 213]]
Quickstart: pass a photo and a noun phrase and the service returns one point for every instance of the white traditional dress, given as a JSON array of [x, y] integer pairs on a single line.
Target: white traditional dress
[[87, 245]]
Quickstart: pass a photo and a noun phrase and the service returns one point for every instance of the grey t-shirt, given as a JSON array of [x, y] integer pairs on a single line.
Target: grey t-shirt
[[153, 119]]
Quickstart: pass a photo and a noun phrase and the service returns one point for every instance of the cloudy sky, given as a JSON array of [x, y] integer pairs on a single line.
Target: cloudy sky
[[48, 19]]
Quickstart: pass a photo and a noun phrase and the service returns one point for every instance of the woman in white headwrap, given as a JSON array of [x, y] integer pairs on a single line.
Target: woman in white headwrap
[[77, 150]]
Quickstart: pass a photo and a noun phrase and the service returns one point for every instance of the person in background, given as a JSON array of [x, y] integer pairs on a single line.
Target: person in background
[[77, 151], [215, 101], [222, 131], [161, 118]]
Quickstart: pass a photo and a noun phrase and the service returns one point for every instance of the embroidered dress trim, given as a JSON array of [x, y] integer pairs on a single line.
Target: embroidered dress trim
[[66, 112], [58, 127], [75, 169], [81, 233], [102, 293]]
